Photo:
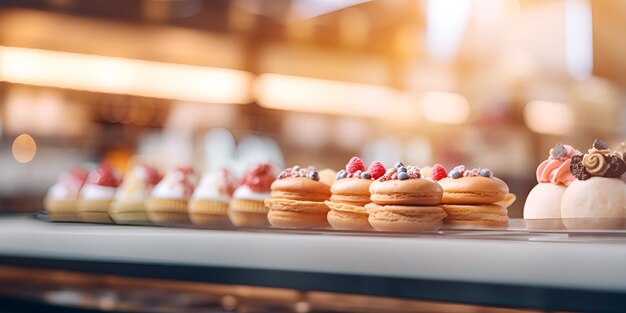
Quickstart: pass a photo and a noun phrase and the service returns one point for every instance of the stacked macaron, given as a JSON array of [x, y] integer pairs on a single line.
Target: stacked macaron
[[597, 198], [472, 198], [553, 178], [298, 199], [402, 201], [350, 194]]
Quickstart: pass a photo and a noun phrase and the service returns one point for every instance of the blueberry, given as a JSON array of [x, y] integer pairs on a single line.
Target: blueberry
[[366, 175], [485, 172], [401, 169], [342, 175], [314, 176], [403, 176], [454, 174], [398, 164]]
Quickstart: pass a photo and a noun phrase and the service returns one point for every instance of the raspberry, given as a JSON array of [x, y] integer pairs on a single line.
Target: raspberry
[[439, 172], [355, 164], [376, 170]]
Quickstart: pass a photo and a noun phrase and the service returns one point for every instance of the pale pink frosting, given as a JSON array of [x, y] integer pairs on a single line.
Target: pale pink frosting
[[557, 171]]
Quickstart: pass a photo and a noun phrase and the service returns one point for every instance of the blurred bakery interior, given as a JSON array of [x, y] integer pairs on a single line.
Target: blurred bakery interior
[[209, 83], [218, 83]]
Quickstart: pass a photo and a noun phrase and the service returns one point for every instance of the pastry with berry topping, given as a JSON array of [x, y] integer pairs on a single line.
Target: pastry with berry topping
[[474, 197], [61, 200], [597, 198], [170, 197], [247, 207], [129, 206], [97, 194], [402, 201], [553, 177], [350, 194], [298, 199], [209, 202]]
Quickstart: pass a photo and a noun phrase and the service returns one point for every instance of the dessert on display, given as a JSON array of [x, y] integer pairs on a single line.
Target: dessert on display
[[350, 194], [97, 194], [61, 200], [247, 207], [129, 206], [297, 199], [169, 198], [209, 202], [473, 197], [553, 177], [597, 197], [402, 201], [622, 149]]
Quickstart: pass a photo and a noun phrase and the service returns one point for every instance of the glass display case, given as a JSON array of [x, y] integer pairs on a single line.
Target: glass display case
[[374, 156]]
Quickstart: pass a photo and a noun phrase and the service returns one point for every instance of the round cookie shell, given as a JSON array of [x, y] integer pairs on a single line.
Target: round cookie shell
[[300, 188], [473, 190], [406, 192]]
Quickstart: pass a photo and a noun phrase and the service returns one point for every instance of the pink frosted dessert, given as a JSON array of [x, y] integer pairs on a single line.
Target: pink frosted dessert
[[553, 177], [61, 200]]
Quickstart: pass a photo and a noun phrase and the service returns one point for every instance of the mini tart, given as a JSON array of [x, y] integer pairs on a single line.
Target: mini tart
[[61, 210], [94, 211], [298, 202], [489, 215], [129, 213], [473, 190], [208, 212], [349, 195], [248, 213], [406, 192], [167, 211], [403, 218]]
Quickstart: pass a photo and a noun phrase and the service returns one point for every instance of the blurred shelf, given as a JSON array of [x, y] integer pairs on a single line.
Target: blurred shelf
[[511, 269]]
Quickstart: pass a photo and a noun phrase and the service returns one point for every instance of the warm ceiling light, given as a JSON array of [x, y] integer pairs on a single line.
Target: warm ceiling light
[[446, 21], [302, 94], [445, 107], [546, 117], [124, 76], [578, 39], [24, 148]]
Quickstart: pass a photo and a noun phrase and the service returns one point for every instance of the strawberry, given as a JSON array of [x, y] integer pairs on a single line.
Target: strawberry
[[355, 164], [376, 170], [439, 172], [152, 175], [105, 175]]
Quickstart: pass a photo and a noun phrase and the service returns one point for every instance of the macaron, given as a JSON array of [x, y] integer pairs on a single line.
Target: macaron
[[491, 215], [402, 201], [404, 218], [298, 200], [406, 192], [473, 190], [350, 193], [474, 198]]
